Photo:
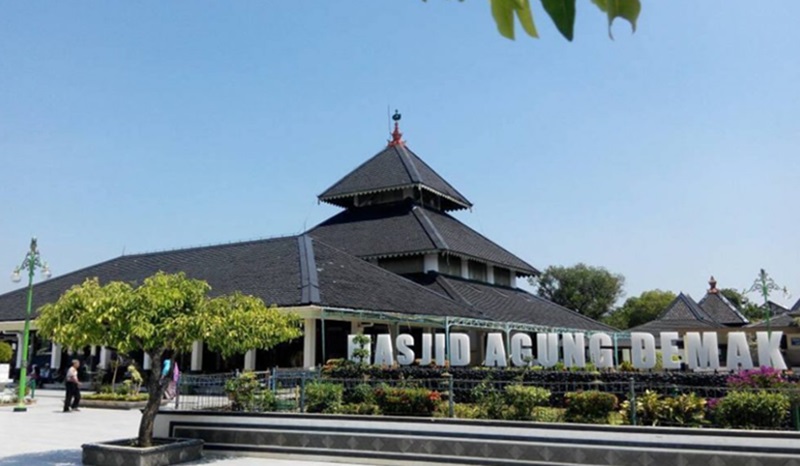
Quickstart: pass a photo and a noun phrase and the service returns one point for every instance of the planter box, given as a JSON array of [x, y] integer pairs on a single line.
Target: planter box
[[110, 404], [116, 404], [165, 451]]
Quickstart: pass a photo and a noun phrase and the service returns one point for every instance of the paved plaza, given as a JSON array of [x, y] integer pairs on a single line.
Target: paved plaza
[[45, 436]]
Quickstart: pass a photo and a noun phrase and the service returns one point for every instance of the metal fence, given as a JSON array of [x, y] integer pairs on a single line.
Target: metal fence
[[290, 391]]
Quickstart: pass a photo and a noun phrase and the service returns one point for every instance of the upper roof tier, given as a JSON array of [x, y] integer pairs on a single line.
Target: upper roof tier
[[395, 170], [405, 228]]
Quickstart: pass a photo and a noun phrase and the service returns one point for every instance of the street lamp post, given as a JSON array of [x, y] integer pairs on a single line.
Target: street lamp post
[[31, 262], [764, 284]]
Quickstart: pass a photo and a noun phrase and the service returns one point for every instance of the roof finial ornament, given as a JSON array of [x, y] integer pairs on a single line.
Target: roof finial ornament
[[397, 136], [712, 285]]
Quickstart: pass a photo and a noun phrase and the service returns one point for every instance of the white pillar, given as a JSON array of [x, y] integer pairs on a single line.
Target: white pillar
[[309, 343], [431, 262], [93, 350], [489, 274], [19, 350], [147, 362], [197, 356], [512, 279], [464, 268], [250, 360], [55, 356], [105, 354]]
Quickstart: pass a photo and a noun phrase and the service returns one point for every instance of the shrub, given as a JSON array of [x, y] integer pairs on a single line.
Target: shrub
[[6, 353], [685, 410], [682, 410], [323, 397], [649, 409], [591, 407], [360, 408], [246, 393], [492, 405], [626, 366], [750, 410], [362, 393], [467, 411], [547, 414], [522, 399], [763, 377], [407, 401], [125, 388]]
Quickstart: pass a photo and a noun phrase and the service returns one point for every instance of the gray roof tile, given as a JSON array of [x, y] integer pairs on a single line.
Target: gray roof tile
[[395, 167], [288, 271], [506, 304], [405, 228], [720, 309]]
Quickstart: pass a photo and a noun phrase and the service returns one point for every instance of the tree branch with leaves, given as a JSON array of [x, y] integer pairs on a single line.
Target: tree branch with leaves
[[164, 315], [561, 12]]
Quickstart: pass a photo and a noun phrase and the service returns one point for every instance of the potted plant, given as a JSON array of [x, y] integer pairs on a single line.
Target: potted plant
[[162, 317]]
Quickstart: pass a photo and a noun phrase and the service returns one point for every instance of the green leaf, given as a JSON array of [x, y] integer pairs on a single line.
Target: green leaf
[[503, 13], [626, 9], [562, 12], [525, 16]]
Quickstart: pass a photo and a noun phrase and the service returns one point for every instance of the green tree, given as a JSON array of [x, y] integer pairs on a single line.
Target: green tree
[[592, 291], [749, 309], [561, 12], [641, 309], [164, 315]]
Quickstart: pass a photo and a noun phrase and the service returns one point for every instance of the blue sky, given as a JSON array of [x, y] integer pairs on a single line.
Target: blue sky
[[666, 155]]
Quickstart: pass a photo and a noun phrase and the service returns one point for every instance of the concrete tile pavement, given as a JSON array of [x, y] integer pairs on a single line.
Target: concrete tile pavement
[[45, 436]]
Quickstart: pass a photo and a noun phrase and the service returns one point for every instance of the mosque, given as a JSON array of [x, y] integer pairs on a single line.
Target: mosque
[[394, 260]]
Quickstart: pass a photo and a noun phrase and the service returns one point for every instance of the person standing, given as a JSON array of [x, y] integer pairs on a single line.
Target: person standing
[[73, 395]]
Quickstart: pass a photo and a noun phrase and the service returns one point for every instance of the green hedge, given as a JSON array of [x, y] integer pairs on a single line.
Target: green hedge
[[753, 410], [589, 407], [323, 397], [406, 401]]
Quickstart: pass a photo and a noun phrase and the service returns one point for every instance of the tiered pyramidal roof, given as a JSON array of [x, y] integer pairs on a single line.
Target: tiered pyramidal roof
[[397, 205]]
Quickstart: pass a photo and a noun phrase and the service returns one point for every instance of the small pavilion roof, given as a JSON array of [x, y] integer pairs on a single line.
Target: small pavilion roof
[[720, 309], [683, 313]]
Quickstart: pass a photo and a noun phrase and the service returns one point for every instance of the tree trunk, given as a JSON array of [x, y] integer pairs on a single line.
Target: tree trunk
[[155, 392]]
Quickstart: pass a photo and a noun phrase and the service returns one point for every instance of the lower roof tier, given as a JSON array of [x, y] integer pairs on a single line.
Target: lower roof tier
[[302, 271]]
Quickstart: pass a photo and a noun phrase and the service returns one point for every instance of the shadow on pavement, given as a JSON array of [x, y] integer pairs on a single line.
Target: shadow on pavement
[[73, 458], [44, 458]]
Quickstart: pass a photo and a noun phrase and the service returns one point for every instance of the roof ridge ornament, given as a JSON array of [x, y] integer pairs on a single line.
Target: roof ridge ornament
[[397, 136], [712, 286]]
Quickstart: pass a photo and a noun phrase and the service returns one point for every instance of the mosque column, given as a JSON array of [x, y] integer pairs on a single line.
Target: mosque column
[[197, 356], [250, 360], [55, 356], [309, 343], [147, 363], [105, 354], [489, 274]]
